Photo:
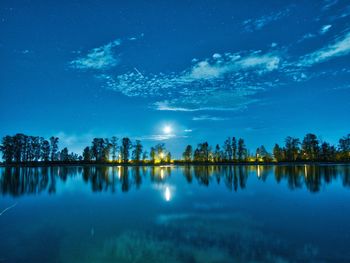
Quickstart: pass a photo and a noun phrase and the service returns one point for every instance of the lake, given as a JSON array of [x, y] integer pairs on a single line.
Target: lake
[[211, 214]]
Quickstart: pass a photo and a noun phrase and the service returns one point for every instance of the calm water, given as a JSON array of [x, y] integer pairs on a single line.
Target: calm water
[[175, 214]]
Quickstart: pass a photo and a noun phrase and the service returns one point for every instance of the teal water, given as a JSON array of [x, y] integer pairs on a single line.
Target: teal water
[[175, 214]]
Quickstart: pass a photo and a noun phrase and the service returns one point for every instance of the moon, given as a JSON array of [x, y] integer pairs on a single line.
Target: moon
[[167, 129]]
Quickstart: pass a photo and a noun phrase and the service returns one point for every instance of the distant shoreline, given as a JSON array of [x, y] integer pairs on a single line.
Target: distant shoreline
[[175, 163]]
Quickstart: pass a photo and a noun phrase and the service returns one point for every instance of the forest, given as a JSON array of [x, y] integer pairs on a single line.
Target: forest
[[23, 149]]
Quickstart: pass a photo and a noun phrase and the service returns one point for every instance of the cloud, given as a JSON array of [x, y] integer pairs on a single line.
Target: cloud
[[340, 47], [159, 137], [228, 63], [98, 58], [208, 118], [222, 82], [187, 130], [251, 25], [328, 4], [342, 87], [325, 29]]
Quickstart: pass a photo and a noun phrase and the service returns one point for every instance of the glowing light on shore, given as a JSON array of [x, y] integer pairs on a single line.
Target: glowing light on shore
[[167, 194], [119, 172]]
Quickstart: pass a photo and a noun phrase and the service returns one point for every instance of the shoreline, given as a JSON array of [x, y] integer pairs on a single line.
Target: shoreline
[[175, 163]]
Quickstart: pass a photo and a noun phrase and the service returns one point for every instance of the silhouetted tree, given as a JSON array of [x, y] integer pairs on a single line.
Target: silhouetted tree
[[168, 157], [45, 151], [114, 147], [54, 148], [217, 153], [327, 152], [160, 151], [234, 148], [187, 154], [7, 149], [278, 153], [125, 149], [87, 154], [137, 152], [241, 150], [228, 149], [310, 147], [153, 154], [97, 148], [292, 148], [344, 148], [64, 156]]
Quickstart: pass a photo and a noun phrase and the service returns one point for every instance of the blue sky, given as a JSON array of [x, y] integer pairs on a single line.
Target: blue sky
[[260, 70]]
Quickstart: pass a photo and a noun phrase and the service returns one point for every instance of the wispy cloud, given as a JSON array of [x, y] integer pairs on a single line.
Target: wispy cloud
[[208, 118], [102, 57], [324, 29], [340, 47], [220, 65], [254, 24], [221, 82], [159, 137], [328, 4]]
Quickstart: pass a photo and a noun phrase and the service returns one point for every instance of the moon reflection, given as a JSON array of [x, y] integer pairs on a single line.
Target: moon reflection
[[167, 194]]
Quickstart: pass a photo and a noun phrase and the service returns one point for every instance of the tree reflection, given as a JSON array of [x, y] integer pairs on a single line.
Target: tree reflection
[[17, 181]]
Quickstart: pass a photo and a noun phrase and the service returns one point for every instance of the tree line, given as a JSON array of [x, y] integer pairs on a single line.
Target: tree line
[[22, 148], [309, 149]]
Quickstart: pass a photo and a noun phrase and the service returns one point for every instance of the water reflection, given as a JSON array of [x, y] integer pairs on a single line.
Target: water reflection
[[16, 181]]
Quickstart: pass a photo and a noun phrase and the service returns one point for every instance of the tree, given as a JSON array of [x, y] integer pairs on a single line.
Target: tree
[[292, 148], [160, 151], [187, 154], [64, 156], [261, 153], [106, 150], [344, 147], [125, 149], [18, 147], [98, 145], [310, 147], [37, 148], [7, 149], [228, 149], [87, 154], [54, 148], [114, 147], [168, 157], [137, 152], [217, 153], [327, 152], [45, 151], [241, 150], [197, 155], [234, 148], [153, 154], [202, 152], [278, 153]]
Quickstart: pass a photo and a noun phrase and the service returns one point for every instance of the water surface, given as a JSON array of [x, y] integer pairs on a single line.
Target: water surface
[[175, 214]]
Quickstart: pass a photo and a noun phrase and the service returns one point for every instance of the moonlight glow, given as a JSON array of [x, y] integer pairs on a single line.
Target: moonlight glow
[[167, 129]]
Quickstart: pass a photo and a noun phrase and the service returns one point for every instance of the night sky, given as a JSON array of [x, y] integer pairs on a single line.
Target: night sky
[[261, 70]]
